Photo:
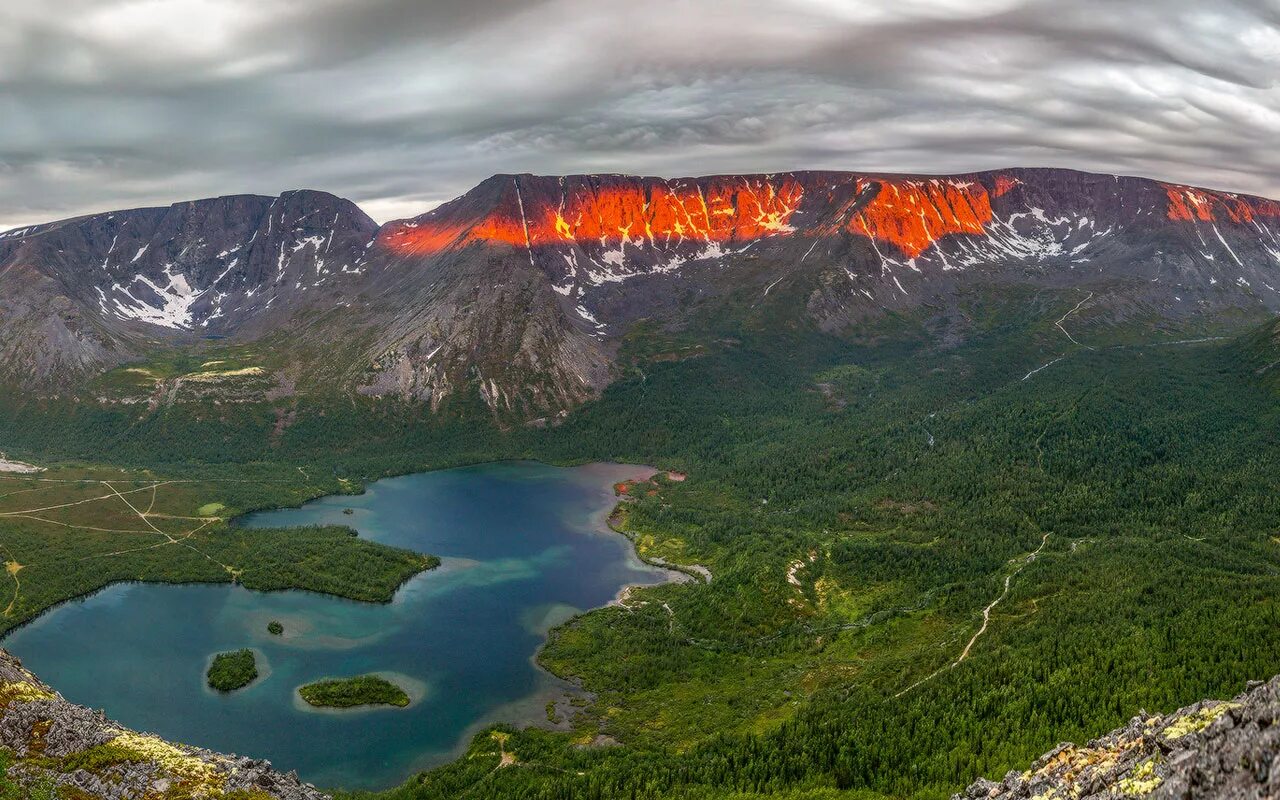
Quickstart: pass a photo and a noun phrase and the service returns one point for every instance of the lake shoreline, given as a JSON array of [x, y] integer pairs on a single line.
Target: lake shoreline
[[580, 503]]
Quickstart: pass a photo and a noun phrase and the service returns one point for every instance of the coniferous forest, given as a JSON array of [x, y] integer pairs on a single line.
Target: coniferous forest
[[859, 506]]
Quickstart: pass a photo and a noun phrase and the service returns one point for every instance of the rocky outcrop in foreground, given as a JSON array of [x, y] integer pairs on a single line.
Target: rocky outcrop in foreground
[[50, 741], [1211, 749]]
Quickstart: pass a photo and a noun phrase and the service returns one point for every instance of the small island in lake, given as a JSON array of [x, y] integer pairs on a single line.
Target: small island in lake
[[275, 628], [362, 690], [234, 670]]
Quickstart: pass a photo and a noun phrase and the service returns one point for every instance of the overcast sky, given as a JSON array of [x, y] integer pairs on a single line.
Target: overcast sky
[[401, 104]]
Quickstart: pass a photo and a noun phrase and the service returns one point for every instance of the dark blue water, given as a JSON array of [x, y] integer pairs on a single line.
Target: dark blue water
[[524, 547]]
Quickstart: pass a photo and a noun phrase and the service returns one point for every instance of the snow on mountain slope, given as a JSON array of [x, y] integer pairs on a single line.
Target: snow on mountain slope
[[203, 265]]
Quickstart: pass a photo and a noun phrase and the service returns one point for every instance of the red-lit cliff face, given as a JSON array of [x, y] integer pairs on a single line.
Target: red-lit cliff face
[[612, 213], [714, 210], [914, 215], [1187, 204], [533, 280], [536, 211], [614, 218]]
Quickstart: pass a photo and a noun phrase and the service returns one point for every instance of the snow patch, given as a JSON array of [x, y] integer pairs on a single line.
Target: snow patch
[[176, 298]]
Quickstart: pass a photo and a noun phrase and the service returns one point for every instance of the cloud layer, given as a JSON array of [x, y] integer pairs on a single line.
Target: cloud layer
[[401, 104]]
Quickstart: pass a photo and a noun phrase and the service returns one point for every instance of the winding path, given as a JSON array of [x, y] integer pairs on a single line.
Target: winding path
[[1068, 314], [1022, 562], [1008, 580]]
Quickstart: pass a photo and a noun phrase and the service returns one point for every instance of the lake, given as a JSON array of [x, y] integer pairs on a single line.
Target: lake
[[524, 546]]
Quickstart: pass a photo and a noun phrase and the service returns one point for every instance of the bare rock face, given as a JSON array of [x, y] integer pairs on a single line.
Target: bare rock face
[[87, 755], [48, 339], [1212, 749]]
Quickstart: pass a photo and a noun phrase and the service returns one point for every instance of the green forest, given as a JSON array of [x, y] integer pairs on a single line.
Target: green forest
[[361, 690], [234, 670], [859, 504]]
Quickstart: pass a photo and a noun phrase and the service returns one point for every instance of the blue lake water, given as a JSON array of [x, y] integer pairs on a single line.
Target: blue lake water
[[524, 547]]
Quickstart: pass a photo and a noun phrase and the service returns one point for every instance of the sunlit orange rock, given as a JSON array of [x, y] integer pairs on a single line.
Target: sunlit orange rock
[[1005, 183], [1187, 204], [912, 214], [613, 213], [549, 211], [729, 209]]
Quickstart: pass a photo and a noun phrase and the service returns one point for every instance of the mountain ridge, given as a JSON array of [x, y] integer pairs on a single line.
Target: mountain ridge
[[1181, 206], [519, 291]]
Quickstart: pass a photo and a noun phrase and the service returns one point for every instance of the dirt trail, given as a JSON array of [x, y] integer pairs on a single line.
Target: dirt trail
[[1045, 366], [1065, 332], [146, 516], [13, 568], [185, 537], [27, 511], [141, 515], [72, 526], [986, 612], [1021, 562]]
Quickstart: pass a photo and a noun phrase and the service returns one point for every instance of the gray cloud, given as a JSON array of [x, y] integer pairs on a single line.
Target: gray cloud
[[401, 104]]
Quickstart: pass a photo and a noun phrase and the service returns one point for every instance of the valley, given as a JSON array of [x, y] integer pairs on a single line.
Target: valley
[[1144, 463], [978, 463]]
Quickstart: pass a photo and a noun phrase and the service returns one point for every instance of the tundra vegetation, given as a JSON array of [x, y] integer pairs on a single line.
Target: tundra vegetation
[[76, 528]]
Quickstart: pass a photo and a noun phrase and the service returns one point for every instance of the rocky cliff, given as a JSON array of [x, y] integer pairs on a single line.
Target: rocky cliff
[[1212, 749], [49, 741]]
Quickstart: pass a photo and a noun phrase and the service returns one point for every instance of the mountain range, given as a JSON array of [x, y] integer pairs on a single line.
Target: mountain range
[[521, 291]]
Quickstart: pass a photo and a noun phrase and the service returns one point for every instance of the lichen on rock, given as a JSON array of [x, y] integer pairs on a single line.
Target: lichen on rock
[[45, 740], [1211, 749]]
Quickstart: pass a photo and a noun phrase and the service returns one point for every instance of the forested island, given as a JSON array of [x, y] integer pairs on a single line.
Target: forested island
[[234, 670], [361, 690]]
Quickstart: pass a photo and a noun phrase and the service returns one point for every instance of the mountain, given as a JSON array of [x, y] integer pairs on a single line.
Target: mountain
[[89, 293], [51, 742], [521, 291], [1210, 749]]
